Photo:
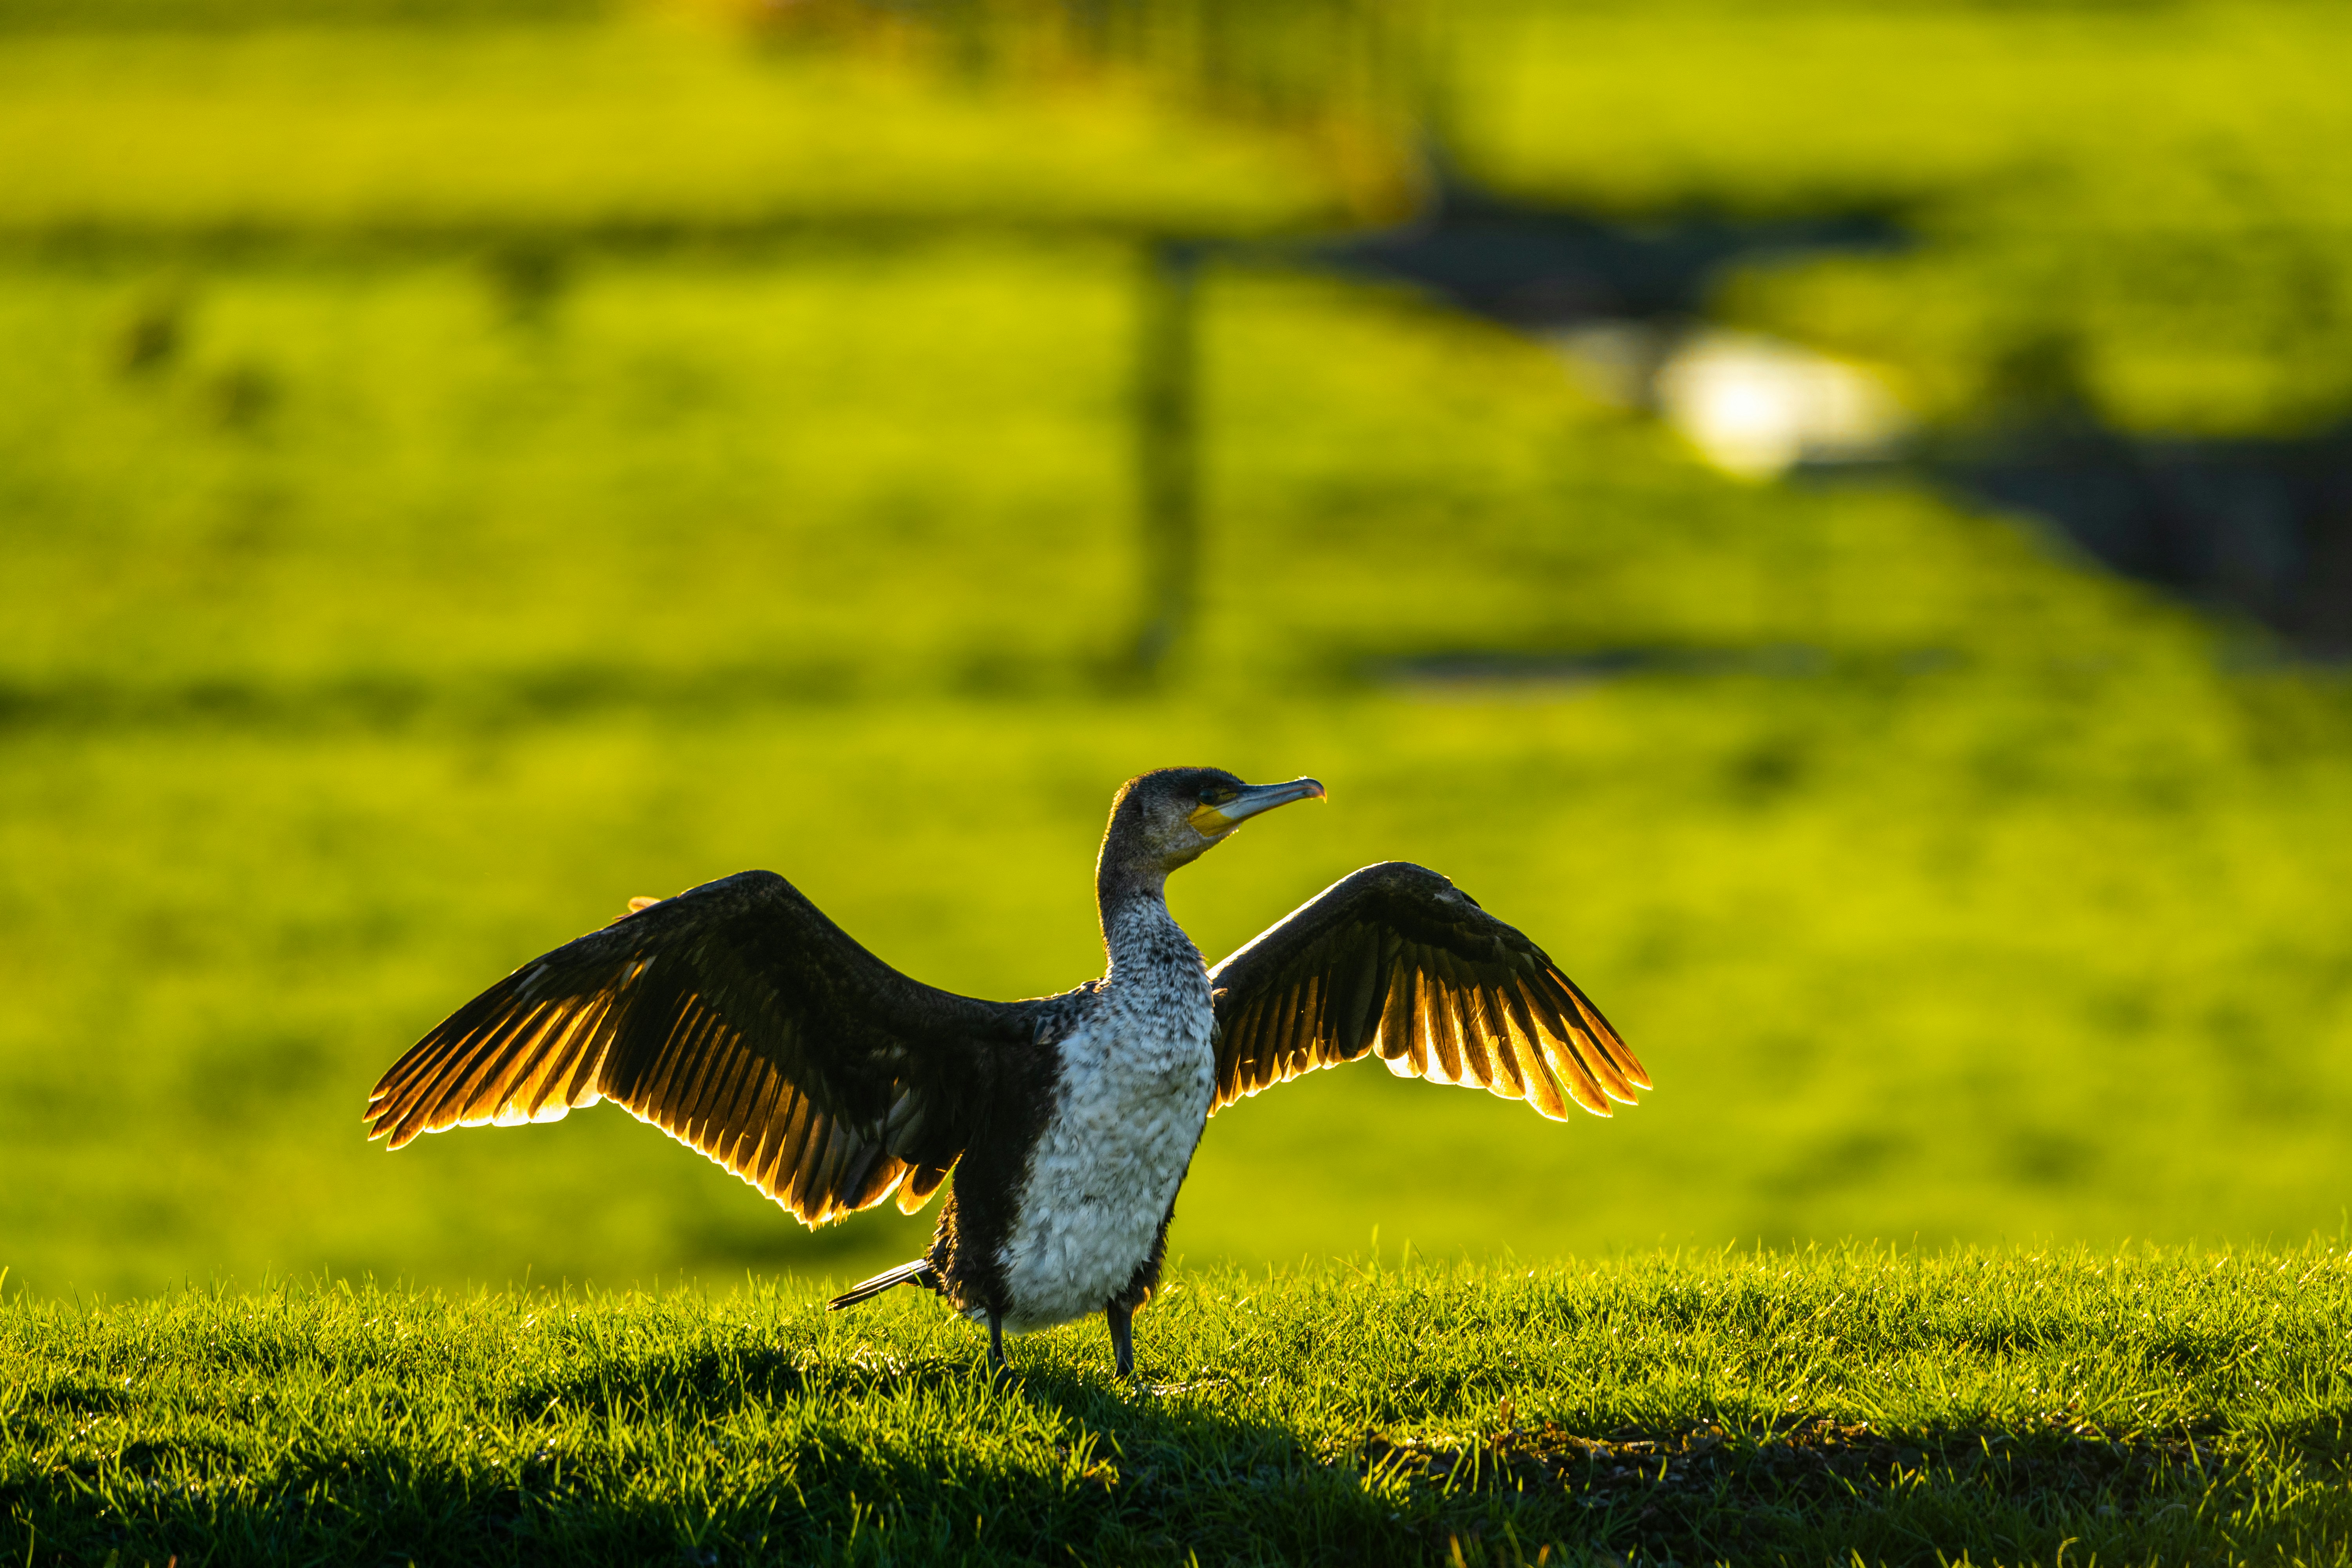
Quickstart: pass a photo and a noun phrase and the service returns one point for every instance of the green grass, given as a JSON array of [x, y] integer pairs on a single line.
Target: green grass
[[647, 126], [2155, 192], [451, 481], [2158, 192], [864, 470], [243, 15], [2159, 189], [686, 471], [1849, 1404]]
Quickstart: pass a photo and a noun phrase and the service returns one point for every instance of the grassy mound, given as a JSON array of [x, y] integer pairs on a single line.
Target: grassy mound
[[1993, 1405]]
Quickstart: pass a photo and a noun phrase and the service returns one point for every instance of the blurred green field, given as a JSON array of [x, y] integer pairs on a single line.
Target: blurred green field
[[377, 618], [2161, 191], [646, 126]]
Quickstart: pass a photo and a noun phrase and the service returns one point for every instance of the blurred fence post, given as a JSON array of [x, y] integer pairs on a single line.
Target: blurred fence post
[[1167, 446]]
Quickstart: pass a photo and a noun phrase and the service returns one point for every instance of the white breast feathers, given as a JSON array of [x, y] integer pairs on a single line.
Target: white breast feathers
[[1135, 1080]]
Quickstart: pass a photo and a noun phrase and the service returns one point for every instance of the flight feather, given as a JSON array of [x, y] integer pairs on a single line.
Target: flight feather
[[1396, 961], [742, 1022]]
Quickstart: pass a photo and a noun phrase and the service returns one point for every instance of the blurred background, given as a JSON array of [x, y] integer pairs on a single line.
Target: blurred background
[[1835, 517]]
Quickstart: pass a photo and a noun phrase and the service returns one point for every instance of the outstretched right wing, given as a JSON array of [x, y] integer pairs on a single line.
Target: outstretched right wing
[[739, 1020], [1397, 961]]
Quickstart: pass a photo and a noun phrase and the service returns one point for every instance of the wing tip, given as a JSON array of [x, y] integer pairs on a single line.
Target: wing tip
[[1626, 1065]]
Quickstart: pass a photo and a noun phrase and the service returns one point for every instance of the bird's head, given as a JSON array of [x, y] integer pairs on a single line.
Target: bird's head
[[1162, 820]]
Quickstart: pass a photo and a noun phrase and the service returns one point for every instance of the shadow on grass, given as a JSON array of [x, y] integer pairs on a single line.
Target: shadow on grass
[[1813, 1488], [725, 1454], [1031, 1464], [736, 1452]]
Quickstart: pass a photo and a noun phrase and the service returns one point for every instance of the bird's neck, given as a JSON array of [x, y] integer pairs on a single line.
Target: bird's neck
[[1138, 931]]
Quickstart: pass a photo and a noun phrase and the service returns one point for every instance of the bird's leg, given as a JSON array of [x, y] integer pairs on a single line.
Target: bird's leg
[[996, 1341], [1123, 1337]]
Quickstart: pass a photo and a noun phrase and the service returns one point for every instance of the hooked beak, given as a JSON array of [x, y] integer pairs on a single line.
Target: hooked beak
[[1212, 820]]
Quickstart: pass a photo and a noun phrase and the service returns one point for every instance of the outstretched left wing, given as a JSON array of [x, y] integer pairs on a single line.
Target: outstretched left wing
[[1396, 961], [739, 1020]]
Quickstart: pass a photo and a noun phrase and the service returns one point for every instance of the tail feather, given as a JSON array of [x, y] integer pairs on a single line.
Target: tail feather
[[919, 1272]]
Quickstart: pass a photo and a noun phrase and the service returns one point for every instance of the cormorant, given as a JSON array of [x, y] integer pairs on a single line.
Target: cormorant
[[744, 1023]]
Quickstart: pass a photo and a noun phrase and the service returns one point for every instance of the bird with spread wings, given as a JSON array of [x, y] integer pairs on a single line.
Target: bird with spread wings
[[739, 1020]]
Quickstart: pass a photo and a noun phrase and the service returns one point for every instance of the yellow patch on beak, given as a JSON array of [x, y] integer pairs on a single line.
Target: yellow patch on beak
[[1208, 820]]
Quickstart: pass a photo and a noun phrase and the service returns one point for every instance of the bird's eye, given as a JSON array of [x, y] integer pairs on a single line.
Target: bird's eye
[[1218, 794]]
